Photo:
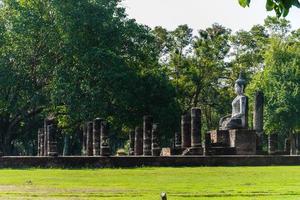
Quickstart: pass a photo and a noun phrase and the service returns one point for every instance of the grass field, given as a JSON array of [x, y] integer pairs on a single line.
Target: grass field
[[148, 183]]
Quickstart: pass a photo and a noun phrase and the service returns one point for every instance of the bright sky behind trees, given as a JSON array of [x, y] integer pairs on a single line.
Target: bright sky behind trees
[[199, 14]]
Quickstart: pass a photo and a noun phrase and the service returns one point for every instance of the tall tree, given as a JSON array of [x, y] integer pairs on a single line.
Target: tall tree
[[281, 7]]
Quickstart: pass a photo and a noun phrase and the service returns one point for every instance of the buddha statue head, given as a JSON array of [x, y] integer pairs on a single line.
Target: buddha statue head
[[239, 85]]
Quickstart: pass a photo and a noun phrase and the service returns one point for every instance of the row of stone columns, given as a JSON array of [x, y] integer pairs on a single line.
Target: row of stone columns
[[145, 141], [95, 138], [47, 139]]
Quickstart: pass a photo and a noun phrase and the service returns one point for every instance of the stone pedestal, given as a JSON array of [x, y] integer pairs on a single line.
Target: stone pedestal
[[105, 149], [258, 118], [52, 141], [186, 131], [96, 136], [89, 141], [147, 128], [243, 140], [155, 146], [131, 142], [220, 137], [138, 141]]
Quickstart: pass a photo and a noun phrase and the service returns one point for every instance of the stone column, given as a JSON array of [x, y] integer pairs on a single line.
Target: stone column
[[147, 127], [40, 142], [177, 144], [272, 143], [196, 142], [293, 147], [138, 141], [89, 141], [297, 143], [177, 140], [96, 136], [52, 140], [155, 143], [258, 118], [46, 136], [84, 139], [105, 149], [1, 145], [287, 145], [131, 142], [186, 131], [196, 127], [207, 143]]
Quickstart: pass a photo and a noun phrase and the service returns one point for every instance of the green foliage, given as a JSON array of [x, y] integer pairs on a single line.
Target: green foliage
[[281, 7], [281, 83]]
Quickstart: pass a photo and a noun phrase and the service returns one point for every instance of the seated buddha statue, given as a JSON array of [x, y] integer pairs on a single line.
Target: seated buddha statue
[[238, 119]]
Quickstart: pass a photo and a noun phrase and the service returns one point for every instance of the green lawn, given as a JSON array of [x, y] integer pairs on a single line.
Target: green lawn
[[148, 183]]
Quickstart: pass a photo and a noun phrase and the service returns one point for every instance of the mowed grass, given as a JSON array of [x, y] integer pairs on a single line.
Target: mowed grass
[[148, 183]]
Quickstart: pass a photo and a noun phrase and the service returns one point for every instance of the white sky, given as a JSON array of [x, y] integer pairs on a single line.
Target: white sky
[[200, 14]]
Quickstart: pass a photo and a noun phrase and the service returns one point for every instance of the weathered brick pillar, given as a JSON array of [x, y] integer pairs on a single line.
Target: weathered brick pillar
[[96, 136], [1, 146], [207, 143], [297, 143], [40, 142], [177, 140], [147, 128], [258, 118], [52, 140], [176, 150], [196, 142], [196, 127], [46, 136], [131, 142], [89, 141], [105, 149], [293, 148], [186, 131], [138, 141], [272, 143], [287, 145], [84, 140], [155, 143]]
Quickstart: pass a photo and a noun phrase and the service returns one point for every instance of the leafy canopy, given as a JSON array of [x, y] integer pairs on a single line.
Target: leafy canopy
[[281, 7]]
